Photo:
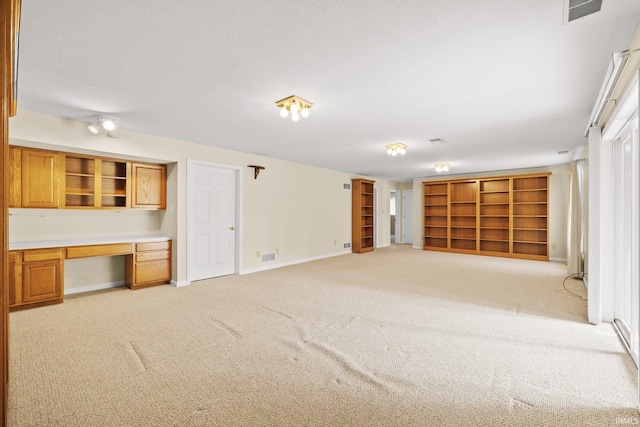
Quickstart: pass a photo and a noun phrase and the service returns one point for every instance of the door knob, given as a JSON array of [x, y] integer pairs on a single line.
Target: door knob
[[232, 228]]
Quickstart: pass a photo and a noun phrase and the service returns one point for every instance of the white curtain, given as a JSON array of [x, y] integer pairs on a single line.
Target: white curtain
[[575, 232]]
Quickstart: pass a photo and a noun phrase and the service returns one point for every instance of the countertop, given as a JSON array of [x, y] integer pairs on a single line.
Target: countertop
[[18, 246]]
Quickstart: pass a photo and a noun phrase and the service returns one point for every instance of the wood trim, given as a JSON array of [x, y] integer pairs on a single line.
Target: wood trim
[[9, 28], [485, 178]]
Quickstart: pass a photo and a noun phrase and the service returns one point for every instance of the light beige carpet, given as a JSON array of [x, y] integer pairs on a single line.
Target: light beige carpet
[[398, 337]]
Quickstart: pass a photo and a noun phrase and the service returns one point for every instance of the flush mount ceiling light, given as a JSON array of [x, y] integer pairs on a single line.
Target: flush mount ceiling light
[[442, 167], [395, 149], [103, 123], [294, 105]]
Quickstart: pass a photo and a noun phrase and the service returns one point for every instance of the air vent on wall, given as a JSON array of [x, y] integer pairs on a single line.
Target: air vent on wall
[[576, 9]]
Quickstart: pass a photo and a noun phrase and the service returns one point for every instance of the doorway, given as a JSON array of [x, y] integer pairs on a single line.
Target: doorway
[[212, 220], [407, 217], [394, 218], [625, 181]]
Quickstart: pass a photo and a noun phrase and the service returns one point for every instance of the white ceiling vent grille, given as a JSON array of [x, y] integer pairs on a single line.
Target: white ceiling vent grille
[[576, 9]]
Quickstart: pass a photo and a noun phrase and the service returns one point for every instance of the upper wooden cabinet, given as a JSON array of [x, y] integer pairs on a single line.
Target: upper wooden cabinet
[[149, 186], [34, 178], [47, 179]]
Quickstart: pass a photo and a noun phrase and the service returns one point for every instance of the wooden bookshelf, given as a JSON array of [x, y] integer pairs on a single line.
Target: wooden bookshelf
[[436, 216], [363, 216], [494, 216], [498, 216], [463, 216], [530, 217]]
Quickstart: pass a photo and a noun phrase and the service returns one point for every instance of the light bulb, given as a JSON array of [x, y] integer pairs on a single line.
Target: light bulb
[[394, 153], [284, 112], [305, 112], [295, 117], [389, 151], [402, 151], [294, 107], [108, 124], [93, 128], [445, 168], [438, 169]]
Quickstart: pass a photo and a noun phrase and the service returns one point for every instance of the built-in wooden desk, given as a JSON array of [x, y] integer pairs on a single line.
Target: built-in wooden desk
[[36, 269]]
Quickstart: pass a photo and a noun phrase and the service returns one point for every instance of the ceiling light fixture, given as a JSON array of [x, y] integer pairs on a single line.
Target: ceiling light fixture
[[294, 105], [442, 167], [395, 149], [103, 123]]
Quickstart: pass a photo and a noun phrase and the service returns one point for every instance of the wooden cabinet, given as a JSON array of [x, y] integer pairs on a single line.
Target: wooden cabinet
[[149, 186], [149, 265], [94, 182], [35, 277], [48, 179], [499, 216], [363, 217], [15, 177], [34, 178]]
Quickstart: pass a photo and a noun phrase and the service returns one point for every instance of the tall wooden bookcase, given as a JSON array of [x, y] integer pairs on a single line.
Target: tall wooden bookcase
[[362, 215], [499, 216]]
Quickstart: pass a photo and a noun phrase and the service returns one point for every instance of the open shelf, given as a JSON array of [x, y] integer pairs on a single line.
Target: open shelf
[[500, 216]]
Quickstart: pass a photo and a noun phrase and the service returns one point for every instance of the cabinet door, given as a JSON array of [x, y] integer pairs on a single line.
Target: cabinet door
[[41, 281], [149, 186], [15, 179], [15, 278], [39, 184]]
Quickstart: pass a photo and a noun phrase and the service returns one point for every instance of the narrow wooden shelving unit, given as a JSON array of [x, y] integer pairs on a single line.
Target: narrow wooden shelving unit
[[79, 182], [436, 219], [363, 216], [495, 220]]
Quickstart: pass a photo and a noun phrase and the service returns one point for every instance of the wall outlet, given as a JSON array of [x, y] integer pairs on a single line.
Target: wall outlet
[[258, 254], [346, 245]]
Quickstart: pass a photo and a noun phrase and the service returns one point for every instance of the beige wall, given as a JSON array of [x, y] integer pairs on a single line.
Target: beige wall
[[558, 204], [297, 210]]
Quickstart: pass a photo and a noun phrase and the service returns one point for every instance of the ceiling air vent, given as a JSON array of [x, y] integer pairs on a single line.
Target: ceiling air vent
[[576, 9]]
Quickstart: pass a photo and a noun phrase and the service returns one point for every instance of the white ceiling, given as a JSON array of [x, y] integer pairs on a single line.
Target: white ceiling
[[504, 82]]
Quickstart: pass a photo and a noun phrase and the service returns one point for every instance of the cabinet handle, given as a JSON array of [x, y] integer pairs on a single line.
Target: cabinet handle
[[232, 228]]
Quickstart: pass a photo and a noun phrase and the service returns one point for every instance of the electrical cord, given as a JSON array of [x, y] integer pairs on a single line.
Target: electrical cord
[[565, 287]]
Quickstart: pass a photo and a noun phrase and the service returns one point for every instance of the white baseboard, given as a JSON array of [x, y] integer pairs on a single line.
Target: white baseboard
[[98, 287], [180, 284], [288, 263], [416, 247], [557, 259], [384, 246]]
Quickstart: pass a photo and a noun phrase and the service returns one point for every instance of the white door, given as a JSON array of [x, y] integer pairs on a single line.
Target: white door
[[407, 216], [211, 220]]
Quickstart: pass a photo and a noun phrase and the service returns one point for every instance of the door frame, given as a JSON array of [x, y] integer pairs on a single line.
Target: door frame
[[238, 212], [406, 220]]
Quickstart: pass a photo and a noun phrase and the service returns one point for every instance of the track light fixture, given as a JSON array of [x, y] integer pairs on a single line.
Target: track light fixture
[[103, 123]]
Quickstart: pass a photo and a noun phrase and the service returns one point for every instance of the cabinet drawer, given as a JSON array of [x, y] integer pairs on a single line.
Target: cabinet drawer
[[42, 254], [153, 246], [153, 256], [152, 272], [99, 250]]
